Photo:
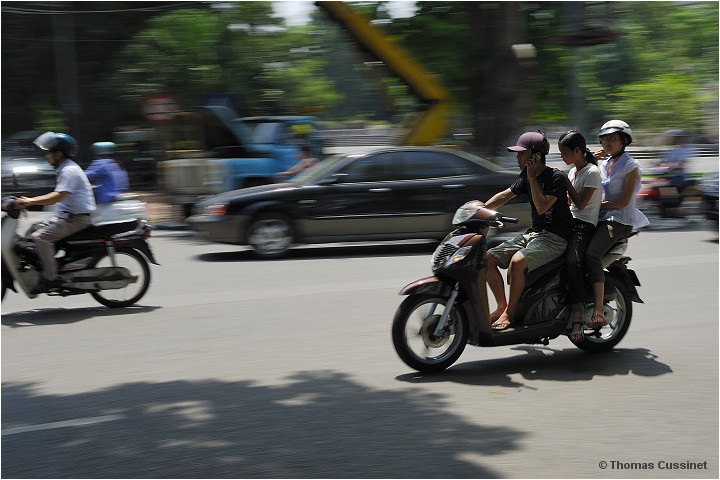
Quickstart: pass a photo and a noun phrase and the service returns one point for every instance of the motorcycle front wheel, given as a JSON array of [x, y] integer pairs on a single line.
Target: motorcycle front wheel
[[414, 338], [618, 313], [138, 266]]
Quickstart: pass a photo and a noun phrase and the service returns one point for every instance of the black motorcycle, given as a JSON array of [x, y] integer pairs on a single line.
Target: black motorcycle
[[108, 260]]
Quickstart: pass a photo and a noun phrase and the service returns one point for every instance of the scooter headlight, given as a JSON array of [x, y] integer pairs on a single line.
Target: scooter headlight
[[459, 255], [462, 215]]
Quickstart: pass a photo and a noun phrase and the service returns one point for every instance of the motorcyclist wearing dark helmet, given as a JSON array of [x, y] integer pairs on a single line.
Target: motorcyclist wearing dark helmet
[[107, 176], [74, 197]]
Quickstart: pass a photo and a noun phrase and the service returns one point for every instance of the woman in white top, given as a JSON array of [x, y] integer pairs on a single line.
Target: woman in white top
[[585, 195], [618, 215]]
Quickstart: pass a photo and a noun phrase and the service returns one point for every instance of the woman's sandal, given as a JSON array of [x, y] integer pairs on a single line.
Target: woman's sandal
[[594, 322], [577, 335], [498, 325]]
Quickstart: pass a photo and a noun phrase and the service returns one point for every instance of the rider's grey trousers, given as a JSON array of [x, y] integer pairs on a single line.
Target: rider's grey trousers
[[45, 235]]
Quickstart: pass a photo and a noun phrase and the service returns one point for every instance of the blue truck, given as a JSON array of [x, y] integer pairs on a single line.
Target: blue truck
[[211, 150]]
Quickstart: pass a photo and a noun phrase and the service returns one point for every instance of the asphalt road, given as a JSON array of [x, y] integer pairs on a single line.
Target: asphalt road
[[232, 367]]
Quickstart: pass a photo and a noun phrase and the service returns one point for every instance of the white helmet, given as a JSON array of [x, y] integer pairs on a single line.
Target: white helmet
[[617, 126]]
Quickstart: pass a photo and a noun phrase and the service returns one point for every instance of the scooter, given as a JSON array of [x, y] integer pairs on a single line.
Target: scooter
[[665, 191], [449, 310], [108, 260]]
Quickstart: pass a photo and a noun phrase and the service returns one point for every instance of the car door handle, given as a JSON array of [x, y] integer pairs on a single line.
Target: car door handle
[[381, 190], [454, 185], [307, 203]]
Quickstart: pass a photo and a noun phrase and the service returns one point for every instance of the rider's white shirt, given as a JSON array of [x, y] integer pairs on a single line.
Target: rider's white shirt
[[588, 177], [72, 179]]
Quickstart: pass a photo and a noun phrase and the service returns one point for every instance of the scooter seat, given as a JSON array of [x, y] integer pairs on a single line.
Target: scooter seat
[[538, 273], [104, 230]]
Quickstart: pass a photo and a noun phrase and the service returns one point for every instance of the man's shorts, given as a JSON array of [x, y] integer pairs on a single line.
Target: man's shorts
[[537, 248]]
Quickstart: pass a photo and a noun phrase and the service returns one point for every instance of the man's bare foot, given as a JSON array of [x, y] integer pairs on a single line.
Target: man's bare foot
[[497, 313], [503, 322]]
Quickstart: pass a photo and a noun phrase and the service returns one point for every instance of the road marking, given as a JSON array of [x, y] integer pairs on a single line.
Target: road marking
[[67, 423]]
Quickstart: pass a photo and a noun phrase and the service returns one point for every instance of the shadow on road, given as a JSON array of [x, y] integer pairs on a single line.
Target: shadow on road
[[62, 316], [315, 425], [544, 363], [327, 252]]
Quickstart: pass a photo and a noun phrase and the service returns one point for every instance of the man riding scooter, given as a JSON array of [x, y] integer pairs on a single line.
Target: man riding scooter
[[545, 240], [74, 197]]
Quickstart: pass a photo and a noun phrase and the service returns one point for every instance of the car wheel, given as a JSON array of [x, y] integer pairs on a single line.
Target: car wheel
[[270, 235]]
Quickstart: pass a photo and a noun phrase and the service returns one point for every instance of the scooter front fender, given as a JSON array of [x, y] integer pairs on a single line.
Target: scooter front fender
[[427, 286]]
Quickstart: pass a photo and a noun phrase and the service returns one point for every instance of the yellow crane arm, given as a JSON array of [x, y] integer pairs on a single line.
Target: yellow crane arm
[[432, 123]]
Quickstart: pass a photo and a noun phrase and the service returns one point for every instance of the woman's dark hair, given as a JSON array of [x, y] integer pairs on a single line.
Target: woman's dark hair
[[573, 139]]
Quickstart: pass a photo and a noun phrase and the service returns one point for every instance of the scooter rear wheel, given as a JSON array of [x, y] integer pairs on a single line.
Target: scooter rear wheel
[[414, 338], [136, 263], [618, 313]]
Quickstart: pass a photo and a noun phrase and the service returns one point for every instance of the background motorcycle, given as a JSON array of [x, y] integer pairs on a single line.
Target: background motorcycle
[[666, 191], [445, 312], [108, 260]]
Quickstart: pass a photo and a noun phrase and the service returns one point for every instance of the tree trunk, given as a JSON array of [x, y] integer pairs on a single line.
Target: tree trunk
[[497, 85]]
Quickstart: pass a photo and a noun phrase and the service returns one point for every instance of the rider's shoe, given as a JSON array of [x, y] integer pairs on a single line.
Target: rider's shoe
[[44, 285]]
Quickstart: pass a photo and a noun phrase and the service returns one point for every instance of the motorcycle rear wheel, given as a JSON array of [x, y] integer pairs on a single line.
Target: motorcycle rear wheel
[[413, 333], [136, 263], [616, 327]]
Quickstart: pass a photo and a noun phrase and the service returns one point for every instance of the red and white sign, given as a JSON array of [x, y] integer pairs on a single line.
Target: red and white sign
[[159, 108]]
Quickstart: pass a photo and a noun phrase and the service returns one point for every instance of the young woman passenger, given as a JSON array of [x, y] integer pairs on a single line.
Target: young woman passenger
[[618, 215], [585, 195]]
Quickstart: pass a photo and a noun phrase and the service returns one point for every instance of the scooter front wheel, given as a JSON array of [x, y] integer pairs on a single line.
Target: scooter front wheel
[[138, 266], [414, 338]]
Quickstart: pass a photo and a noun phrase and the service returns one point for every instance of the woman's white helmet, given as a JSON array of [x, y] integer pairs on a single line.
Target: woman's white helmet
[[617, 126]]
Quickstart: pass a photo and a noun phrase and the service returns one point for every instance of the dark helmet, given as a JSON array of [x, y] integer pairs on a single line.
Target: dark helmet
[[103, 148], [57, 142]]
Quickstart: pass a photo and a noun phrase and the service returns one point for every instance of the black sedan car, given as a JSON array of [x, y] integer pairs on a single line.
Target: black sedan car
[[391, 193], [26, 176]]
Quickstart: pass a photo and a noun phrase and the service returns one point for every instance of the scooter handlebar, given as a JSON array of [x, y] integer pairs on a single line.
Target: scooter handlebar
[[10, 205]]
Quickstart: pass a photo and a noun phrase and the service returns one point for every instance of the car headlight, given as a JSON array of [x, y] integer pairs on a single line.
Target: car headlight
[[216, 208], [462, 215]]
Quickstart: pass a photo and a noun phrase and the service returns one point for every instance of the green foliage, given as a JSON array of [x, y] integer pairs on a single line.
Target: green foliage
[[661, 70], [49, 118], [242, 50]]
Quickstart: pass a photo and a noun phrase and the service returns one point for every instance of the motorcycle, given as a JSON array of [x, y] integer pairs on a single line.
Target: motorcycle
[[665, 191], [449, 310], [108, 260]]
